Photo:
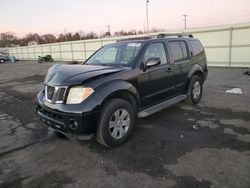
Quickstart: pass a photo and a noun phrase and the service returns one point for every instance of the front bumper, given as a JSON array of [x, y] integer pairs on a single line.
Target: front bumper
[[72, 121]]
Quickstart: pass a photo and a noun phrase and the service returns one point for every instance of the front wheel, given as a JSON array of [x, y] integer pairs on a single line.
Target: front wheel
[[194, 90], [116, 123]]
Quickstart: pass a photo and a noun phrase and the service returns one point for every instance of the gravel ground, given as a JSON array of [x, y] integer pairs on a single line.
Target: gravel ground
[[206, 145]]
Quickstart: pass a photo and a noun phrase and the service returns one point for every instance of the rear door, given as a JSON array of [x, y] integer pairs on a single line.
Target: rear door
[[180, 60]]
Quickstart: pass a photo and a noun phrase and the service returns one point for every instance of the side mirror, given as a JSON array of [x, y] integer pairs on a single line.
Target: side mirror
[[153, 62]]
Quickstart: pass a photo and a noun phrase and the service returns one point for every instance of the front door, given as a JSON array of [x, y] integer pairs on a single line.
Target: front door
[[157, 83]]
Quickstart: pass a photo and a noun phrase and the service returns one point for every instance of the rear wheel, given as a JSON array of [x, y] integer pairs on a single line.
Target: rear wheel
[[40, 60], [116, 123], [1, 61], [195, 90]]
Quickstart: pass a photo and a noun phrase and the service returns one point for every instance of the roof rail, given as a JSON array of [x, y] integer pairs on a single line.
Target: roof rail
[[134, 38], [163, 35]]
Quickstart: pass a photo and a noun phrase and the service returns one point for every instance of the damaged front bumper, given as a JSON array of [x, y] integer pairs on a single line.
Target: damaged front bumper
[[74, 124]]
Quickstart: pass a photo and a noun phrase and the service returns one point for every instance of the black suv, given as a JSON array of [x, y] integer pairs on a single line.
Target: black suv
[[120, 82]]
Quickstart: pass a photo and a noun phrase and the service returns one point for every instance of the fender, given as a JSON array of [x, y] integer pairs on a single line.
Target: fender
[[195, 68], [118, 86]]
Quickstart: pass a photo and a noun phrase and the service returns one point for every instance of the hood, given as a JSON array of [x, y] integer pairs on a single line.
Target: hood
[[76, 74]]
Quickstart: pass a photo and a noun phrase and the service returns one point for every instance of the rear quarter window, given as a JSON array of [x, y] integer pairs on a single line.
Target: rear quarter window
[[197, 48]]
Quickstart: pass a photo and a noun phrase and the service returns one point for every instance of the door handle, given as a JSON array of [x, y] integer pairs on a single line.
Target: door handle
[[169, 70]]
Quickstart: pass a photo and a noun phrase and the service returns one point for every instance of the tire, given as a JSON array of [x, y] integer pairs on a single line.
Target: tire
[[111, 133], [194, 90], [1, 61], [40, 60]]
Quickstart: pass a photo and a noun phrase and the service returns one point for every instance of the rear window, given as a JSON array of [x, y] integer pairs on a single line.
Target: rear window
[[178, 50], [196, 47]]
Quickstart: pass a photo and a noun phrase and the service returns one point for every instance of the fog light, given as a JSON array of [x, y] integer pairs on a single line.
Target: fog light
[[73, 124]]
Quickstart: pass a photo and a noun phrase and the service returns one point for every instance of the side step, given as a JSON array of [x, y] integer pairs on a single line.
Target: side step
[[161, 106]]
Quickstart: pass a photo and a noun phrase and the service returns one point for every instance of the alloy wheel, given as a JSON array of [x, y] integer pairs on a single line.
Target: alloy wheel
[[196, 90], [119, 123]]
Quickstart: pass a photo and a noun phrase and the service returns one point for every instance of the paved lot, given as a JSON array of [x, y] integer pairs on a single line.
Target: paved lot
[[207, 145]]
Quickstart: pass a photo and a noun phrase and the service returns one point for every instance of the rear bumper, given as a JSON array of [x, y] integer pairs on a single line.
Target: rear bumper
[[70, 123]]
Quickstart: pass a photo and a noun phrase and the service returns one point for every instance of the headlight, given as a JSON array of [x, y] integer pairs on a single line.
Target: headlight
[[78, 94]]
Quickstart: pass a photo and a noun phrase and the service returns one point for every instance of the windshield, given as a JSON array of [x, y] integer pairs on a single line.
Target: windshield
[[116, 54]]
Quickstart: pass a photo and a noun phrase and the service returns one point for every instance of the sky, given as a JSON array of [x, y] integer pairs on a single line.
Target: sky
[[54, 16]]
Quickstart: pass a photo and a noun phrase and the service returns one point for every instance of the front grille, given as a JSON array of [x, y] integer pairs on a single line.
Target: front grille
[[60, 94], [50, 92], [55, 94]]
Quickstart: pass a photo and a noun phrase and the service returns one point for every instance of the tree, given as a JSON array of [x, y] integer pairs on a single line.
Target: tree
[[61, 38], [69, 36], [76, 36], [140, 32], [33, 37], [49, 38], [91, 35], [7, 38], [121, 33], [132, 32]]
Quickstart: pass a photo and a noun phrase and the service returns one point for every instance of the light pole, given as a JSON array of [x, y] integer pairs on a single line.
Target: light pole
[[185, 21], [108, 26], [147, 1]]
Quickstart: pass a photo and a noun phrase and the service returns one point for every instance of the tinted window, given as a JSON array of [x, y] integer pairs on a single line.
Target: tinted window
[[196, 47], [184, 49], [156, 50], [176, 51]]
